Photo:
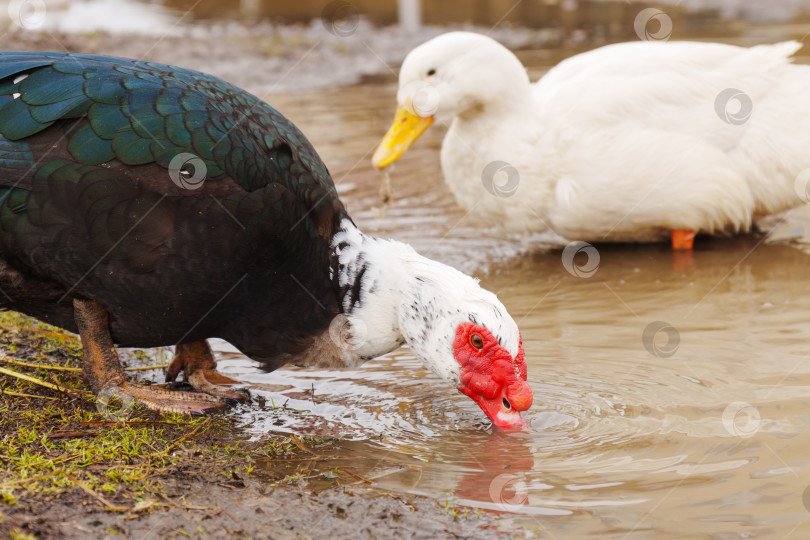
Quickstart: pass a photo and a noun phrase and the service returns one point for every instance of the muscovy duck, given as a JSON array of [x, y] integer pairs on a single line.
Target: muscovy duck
[[632, 142], [146, 205]]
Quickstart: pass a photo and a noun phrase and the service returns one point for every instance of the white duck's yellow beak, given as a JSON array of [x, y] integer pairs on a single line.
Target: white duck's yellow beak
[[406, 128]]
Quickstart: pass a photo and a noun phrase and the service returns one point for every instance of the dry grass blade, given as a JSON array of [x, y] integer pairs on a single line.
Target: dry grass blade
[[14, 361], [21, 394], [84, 487], [40, 382], [375, 477], [186, 436], [146, 368], [300, 444], [361, 479]]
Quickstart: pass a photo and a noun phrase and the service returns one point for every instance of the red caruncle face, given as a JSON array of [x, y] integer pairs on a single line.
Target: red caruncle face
[[491, 377]]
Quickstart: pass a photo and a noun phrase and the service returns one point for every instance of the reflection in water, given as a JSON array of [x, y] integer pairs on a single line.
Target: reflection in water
[[670, 396]]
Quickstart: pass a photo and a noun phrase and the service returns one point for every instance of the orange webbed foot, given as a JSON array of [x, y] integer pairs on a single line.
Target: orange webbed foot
[[683, 240]]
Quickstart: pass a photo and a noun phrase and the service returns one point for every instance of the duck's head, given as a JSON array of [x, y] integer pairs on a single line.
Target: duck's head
[[458, 74], [490, 373], [465, 335], [459, 330]]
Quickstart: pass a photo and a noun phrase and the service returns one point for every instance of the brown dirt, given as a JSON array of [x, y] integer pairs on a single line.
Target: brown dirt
[[202, 510]]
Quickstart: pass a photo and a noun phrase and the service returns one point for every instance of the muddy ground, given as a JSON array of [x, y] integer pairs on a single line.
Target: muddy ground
[[200, 509]]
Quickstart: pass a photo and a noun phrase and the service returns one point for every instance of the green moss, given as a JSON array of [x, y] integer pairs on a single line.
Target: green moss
[[15, 534], [60, 442], [7, 496]]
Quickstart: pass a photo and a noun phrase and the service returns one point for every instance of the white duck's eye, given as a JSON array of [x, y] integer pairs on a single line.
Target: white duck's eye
[[431, 72]]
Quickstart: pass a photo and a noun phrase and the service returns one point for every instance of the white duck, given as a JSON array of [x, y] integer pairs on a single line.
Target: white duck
[[628, 142]]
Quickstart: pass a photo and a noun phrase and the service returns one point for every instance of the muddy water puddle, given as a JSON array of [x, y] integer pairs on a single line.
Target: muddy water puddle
[[671, 395]]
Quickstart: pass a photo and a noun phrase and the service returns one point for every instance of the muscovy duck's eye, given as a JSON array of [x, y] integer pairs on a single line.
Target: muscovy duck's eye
[[477, 341], [431, 72]]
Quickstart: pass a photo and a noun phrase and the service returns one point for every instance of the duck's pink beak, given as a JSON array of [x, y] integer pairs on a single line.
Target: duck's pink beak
[[504, 413]]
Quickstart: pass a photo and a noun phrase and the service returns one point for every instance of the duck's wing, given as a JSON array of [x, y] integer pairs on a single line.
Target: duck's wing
[[141, 112], [65, 116], [101, 188], [674, 86]]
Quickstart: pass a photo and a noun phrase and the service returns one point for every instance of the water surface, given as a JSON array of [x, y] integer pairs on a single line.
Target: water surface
[[698, 429]]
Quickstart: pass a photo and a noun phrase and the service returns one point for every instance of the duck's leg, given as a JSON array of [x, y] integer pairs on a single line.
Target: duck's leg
[[197, 361], [683, 239], [105, 375]]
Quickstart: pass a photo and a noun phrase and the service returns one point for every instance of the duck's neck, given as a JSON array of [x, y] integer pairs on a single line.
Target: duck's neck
[[388, 296], [369, 286], [496, 115]]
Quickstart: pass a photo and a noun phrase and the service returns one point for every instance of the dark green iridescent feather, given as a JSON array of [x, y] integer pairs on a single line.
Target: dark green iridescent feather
[[135, 104]]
